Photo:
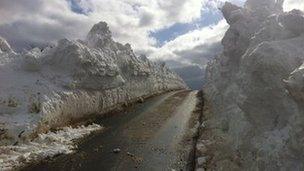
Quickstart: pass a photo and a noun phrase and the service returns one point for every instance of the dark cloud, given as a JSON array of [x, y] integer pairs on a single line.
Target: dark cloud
[[173, 8], [191, 62], [146, 19], [10, 8], [37, 22], [200, 54]]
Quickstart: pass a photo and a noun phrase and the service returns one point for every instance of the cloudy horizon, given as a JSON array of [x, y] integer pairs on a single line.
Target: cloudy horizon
[[157, 29]]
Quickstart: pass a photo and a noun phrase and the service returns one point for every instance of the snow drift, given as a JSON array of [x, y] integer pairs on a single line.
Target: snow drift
[[254, 92], [55, 86], [14, 157]]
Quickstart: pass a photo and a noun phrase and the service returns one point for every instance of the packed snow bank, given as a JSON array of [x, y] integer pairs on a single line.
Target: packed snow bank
[[254, 90], [62, 84], [45, 145]]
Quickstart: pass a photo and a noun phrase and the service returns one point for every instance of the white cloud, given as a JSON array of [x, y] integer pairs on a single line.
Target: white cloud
[[131, 21], [40, 21], [293, 4], [195, 46]]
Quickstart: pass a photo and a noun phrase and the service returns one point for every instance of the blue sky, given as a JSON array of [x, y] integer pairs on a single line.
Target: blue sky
[[207, 18], [76, 7], [167, 34]]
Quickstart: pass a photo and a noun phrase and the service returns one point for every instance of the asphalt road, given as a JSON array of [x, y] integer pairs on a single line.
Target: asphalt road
[[154, 135]]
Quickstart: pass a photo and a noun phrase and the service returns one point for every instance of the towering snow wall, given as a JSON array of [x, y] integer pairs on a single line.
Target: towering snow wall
[[52, 87], [254, 118]]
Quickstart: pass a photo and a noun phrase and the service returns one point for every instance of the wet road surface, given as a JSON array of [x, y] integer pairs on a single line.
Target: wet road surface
[[154, 135]]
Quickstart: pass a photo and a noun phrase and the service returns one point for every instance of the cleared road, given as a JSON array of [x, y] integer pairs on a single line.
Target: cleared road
[[155, 135]]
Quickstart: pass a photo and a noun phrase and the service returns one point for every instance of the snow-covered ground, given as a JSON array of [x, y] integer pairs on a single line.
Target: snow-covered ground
[[45, 145]]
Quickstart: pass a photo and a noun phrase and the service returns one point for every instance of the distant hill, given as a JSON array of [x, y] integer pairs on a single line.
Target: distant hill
[[193, 75]]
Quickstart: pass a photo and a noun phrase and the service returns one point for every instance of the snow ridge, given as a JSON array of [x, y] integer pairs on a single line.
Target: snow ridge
[[254, 90], [58, 85]]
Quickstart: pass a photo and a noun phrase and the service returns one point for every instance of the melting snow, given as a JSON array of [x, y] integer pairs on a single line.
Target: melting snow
[[45, 145]]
